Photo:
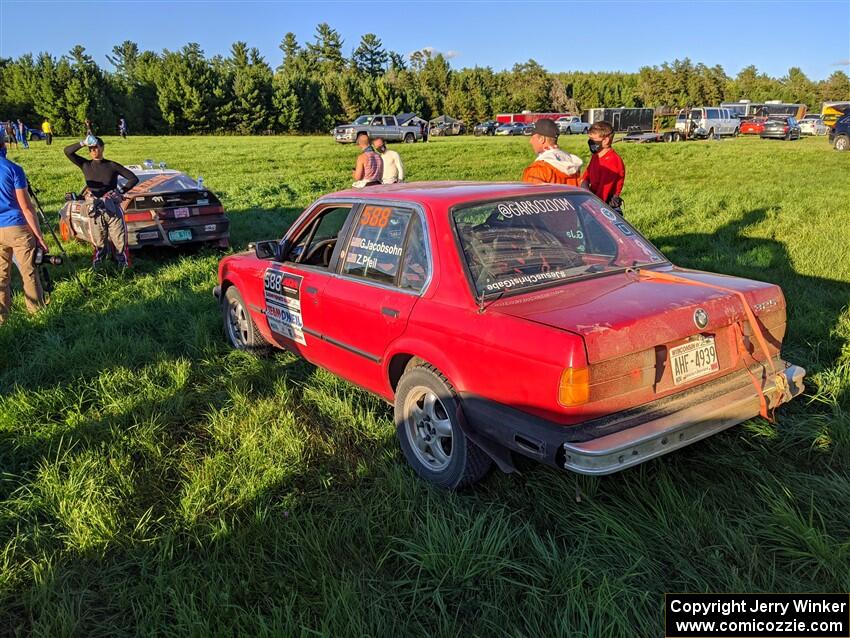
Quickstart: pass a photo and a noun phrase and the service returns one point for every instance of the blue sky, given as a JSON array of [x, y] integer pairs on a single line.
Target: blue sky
[[562, 36]]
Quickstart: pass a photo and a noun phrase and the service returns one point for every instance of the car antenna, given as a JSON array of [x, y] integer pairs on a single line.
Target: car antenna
[[482, 307]]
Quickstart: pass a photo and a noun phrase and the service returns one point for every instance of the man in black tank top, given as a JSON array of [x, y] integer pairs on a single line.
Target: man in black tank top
[[104, 199]]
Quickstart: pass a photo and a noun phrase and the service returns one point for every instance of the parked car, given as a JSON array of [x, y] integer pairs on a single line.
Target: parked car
[[570, 125], [839, 134], [511, 128], [707, 122], [166, 208], [486, 128], [504, 319], [752, 126], [384, 126], [785, 128], [813, 126]]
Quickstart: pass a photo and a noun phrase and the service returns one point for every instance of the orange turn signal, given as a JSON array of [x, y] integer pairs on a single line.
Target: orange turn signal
[[574, 388]]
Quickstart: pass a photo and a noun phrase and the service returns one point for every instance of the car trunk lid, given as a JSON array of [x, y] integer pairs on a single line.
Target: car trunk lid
[[630, 326]]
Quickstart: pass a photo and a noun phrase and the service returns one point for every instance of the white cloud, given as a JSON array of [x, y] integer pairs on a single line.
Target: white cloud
[[433, 51], [845, 62]]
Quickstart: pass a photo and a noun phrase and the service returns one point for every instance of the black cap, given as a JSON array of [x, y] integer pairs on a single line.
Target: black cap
[[546, 128]]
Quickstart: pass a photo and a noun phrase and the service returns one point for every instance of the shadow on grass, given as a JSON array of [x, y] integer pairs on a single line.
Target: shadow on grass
[[814, 304]]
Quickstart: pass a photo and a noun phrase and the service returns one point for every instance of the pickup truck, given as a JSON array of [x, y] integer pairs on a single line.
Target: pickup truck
[[571, 125], [384, 126]]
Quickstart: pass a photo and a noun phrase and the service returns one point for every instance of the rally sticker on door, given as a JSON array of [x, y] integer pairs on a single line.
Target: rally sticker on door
[[283, 304]]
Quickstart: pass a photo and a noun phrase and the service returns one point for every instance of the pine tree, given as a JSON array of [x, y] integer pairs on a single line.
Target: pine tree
[[370, 57]]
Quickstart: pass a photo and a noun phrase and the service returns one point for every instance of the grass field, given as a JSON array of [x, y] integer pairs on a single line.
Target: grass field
[[153, 482]]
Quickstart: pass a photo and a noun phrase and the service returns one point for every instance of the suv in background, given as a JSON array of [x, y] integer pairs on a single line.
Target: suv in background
[[572, 124], [707, 121], [839, 135], [485, 128]]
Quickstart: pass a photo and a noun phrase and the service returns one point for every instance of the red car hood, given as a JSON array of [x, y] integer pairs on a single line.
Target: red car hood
[[617, 314]]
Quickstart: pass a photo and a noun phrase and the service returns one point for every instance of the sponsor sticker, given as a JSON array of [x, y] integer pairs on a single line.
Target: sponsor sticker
[[610, 214], [181, 213], [203, 202], [209, 228], [282, 292], [624, 229], [535, 207]]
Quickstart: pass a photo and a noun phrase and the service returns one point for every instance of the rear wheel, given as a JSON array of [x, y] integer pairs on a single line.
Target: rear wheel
[[239, 327], [842, 143], [409, 138], [426, 417]]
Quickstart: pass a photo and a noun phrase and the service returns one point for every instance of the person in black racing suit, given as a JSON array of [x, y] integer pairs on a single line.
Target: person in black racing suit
[[104, 199]]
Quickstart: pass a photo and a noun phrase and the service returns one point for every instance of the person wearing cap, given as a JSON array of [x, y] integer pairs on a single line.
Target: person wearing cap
[[552, 165], [104, 199]]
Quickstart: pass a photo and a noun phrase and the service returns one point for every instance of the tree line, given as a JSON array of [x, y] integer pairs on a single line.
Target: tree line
[[316, 86]]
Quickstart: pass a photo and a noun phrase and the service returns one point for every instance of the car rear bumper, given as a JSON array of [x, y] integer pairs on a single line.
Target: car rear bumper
[[774, 134], [213, 228], [616, 442]]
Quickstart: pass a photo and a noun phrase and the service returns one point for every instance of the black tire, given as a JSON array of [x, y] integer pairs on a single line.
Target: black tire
[[841, 143], [409, 138], [459, 466], [239, 327]]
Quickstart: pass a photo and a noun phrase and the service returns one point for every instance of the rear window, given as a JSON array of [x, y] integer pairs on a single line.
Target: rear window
[[164, 183], [521, 243]]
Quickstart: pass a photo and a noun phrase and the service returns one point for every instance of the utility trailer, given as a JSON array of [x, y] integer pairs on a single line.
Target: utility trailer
[[622, 119]]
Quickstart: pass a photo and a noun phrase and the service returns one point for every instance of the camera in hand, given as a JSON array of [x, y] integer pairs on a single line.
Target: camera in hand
[[42, 258]]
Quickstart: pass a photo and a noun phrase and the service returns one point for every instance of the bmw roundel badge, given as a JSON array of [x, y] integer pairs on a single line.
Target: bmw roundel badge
[[700, 318]]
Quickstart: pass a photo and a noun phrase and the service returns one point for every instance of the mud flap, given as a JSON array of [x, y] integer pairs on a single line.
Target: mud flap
[[501, 455]]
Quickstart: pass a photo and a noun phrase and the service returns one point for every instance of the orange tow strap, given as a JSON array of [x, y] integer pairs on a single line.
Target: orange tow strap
[[779, 377]]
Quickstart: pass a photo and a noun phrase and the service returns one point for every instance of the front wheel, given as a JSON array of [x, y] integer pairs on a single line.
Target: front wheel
[[239, 327], [842, 143], [409, 138], [426, 418]]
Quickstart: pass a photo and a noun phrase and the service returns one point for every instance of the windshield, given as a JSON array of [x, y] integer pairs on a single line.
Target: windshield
[[520, 243], [165, 182]]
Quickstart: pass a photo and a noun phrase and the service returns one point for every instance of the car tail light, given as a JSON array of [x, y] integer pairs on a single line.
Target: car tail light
[[786, 129], [574, 388], [138, 217]]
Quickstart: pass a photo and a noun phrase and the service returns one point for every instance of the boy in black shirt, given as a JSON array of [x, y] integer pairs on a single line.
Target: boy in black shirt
[[104, 196]]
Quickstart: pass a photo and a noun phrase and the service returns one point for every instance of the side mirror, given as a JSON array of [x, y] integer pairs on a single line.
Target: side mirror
[[269, 249]]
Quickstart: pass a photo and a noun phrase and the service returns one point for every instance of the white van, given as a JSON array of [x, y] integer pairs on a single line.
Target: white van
[[708, 121]]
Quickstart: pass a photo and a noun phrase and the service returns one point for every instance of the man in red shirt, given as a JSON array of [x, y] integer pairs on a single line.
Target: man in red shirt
[[605, 173]]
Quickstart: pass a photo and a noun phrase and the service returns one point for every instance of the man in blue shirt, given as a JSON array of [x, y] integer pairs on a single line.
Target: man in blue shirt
[[20, 236]]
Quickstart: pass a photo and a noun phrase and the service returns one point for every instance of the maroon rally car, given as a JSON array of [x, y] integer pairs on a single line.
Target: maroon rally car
[[166, 208], [505, 319]]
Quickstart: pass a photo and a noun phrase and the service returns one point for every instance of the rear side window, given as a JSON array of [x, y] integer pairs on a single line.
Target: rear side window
[[712, 114], [377, 244], [414, 261]]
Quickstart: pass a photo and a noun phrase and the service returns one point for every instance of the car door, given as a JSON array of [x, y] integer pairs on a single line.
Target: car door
[[293, 287], [382, 270]]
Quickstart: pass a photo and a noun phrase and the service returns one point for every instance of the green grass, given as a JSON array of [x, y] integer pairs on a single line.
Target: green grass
[[153, 482]]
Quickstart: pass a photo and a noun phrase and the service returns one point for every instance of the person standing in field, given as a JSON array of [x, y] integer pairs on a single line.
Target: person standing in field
[[11, 136], [552, 165], [393, 168], [20, 238], [21, 131], [89, 129], [606, 173], [122, 128], [47, 129], [369, 170], [104, 199]]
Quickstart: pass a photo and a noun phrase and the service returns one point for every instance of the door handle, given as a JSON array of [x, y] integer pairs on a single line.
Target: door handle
[[390, 312], [311, 290]]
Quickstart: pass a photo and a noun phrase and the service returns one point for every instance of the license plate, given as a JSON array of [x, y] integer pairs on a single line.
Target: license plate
[[180, 235], [181, 213], [693, 360]]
